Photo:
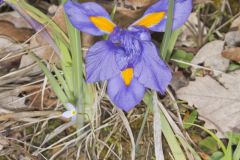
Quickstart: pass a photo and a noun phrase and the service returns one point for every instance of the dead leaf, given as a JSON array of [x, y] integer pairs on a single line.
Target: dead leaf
[[17, 20], [232, 39], [211, 56], [217, 101], [236, 24], [178, 81], [59, 18], [139, 3], [9, 57], [8, 30], [232, 54]]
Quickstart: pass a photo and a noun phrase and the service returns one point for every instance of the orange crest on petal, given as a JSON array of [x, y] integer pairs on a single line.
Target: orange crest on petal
[[102, 23], [127, 76], [151, 19]]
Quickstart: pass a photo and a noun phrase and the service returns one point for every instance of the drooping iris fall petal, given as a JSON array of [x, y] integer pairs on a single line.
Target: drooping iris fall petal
[[89, 17], [155, 17], [151, 71], [123, 96]]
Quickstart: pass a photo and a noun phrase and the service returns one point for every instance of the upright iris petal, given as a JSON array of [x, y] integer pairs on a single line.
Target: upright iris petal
[[128, 60], [89, 17], [155, 17]]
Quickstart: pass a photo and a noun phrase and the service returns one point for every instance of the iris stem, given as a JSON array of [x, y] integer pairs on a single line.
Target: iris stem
[[77, 71]]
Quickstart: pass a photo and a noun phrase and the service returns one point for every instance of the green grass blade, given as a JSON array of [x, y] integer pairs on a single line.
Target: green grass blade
[[172, 141], [167, 131], [189, 147], [168, 31], [236, 154], [52, 80], [63, 83], [222, 146], [172, 42]]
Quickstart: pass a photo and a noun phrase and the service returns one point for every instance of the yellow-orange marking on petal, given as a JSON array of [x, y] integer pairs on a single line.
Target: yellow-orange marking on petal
[[127, 76], [102, 23], [151, 19]]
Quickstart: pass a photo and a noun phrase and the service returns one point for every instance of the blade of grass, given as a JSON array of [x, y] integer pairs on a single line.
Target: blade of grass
[[220, 143], [168, 31], [236, 154], [127, 126], [228, 155], [142, 127], [172, 42], [189, 147], [52, 80], [63, 83], [171, 138]]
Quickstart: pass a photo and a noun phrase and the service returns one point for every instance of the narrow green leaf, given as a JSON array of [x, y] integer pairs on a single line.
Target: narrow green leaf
[[171, 139], [228, 155], [220, 143], [191, 119], [236, 154], [52, 80], [216, 156], [63, 83], [168, 31], [189, 147], [208, 145], [77, 71], [172, 42], [182, 56]]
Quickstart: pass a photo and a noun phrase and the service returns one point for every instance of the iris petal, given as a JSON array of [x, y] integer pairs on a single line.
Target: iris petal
[[182, 10], [125, 97], [100, 61], [70, 107], [67, 114], [86, 17], [74, 118], [151, 71]]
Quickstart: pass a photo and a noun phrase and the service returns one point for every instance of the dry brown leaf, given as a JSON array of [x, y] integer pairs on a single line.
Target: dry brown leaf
[[211, 56], [233, 39], [232, 54], [9, 57], [236, 24], [139, 3], [14, 18], [217, 101], [16, 34], [59, 18], [178, 81]]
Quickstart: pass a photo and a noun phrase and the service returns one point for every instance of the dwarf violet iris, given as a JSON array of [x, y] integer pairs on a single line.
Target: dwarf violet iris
[[128, 60], [71, 112]]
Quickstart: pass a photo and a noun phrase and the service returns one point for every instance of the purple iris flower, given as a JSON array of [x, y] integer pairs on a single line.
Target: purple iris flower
[[128, 60]]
